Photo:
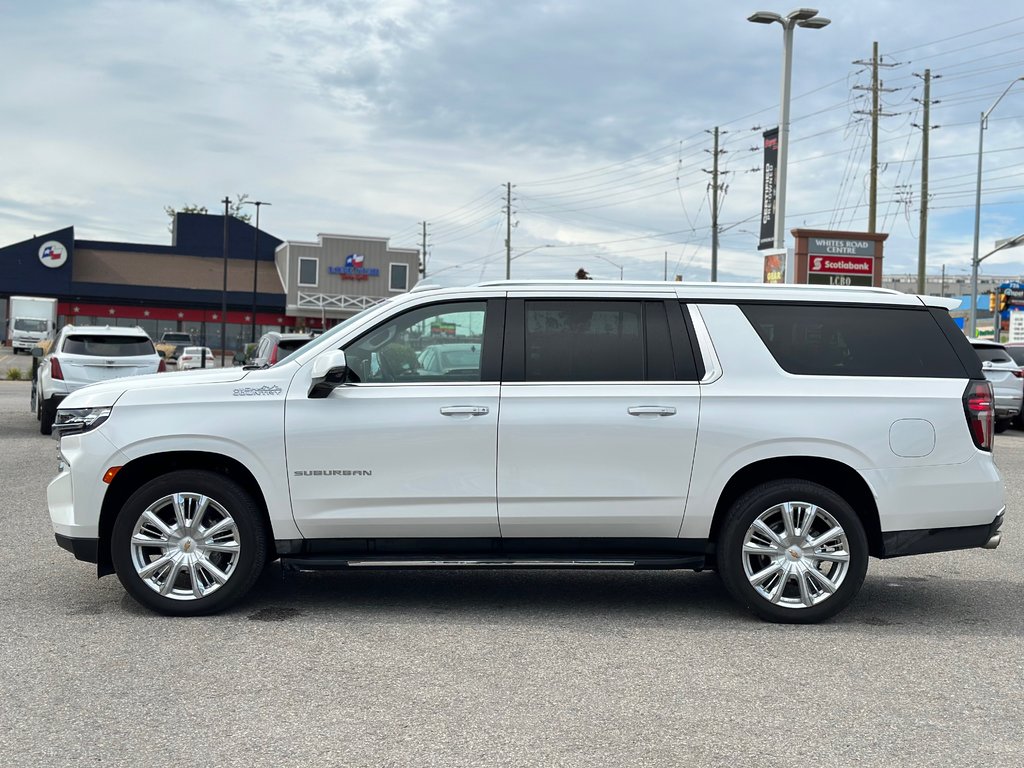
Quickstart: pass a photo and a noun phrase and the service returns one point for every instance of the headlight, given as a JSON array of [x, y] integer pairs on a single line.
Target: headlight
[[77, 420]]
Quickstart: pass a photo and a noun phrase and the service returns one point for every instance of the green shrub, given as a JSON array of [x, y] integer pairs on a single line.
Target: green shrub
[[14, 374]]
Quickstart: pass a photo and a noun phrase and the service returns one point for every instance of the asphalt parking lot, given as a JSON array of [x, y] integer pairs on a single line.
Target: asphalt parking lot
[[494, 668]]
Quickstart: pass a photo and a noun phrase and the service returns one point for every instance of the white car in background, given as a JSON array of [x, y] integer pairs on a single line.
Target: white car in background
[[1006, 377], [192, 358], [83, 355]]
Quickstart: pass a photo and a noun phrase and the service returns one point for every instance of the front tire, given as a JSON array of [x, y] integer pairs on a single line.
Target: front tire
[[189, 543], [792, 551]]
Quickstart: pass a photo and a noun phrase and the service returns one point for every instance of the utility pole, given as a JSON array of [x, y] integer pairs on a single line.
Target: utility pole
[[715, 188], [875, 113], [666, 267], [423, 266], [926, 126], [508, 230]]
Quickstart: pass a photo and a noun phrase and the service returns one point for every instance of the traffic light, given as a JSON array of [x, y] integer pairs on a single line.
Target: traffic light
[[1004, 302], [991, 301]]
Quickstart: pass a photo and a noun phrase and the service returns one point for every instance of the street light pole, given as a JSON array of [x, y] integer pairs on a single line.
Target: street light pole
[[975, 261], [604, 258], [255, 263], [224, 290], [801, 17], [1001, 245]]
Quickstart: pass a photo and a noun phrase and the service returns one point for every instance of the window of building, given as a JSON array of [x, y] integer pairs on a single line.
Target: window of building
[[309, 269], [399, 277]]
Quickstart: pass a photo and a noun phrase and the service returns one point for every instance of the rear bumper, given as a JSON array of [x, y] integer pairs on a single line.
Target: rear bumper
[[901, 543]]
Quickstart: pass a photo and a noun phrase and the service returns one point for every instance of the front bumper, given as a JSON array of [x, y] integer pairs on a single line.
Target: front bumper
[[86, 550], [901, 543]]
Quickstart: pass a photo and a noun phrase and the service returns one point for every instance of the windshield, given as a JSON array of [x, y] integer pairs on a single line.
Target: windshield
[[333, 333], [30, 325]]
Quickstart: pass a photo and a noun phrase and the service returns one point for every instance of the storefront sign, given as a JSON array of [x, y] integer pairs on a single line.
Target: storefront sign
[[775, 267], [829, 246], [354, 269], [840, 270], [52, 254]]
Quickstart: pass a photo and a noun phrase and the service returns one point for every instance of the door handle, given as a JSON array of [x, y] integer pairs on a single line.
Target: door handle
[[651, 410], [465, 410]]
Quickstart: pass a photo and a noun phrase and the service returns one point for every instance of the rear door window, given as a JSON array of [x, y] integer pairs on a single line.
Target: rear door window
[[836, 340]]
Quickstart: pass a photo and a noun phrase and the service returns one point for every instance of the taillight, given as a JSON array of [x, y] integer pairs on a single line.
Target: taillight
[[55, 371], [273, 356], [162, 367], [980, 409], [1018, 373]]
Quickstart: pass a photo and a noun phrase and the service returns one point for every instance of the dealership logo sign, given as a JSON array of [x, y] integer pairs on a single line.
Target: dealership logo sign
[[354, 269], [52, 254]]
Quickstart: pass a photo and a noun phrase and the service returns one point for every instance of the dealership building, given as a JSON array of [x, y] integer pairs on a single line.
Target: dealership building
[[271, 284]]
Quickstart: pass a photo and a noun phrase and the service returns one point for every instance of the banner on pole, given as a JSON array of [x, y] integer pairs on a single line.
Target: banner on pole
[[771, 161]]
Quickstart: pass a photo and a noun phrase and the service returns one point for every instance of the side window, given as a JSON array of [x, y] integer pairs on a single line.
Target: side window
[[438, 343], [855, 341], [584, 341]]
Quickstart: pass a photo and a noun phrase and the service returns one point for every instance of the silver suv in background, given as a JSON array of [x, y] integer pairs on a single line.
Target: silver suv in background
[[1007, 380], [83, 355]]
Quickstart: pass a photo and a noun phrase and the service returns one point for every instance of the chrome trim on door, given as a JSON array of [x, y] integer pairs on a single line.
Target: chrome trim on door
[[651, 410], [465, 410], [712, 367]]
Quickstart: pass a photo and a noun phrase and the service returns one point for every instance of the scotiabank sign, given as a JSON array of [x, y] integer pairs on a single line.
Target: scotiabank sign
[[841, 265], [840, 270]]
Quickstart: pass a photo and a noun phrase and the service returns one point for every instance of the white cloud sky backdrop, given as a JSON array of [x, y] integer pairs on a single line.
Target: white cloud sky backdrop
[[366, 118]]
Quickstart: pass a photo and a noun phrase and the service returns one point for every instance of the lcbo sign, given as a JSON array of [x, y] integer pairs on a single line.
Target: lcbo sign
[[840, 262]]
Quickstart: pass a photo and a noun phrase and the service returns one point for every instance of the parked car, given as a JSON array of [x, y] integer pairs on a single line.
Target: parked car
[[445, 359], [192, 357], [275, 346], [83, 355], [172, 343], [772, 433], [1007, 380]]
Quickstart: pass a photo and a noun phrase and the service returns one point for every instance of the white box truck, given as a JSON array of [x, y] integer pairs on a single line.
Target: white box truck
[[31, 319]]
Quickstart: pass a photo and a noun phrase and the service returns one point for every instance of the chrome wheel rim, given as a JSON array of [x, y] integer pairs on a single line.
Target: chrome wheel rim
[[796, 555], [185, 546]]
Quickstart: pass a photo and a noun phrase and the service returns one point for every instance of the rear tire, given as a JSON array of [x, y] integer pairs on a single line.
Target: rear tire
[[792, 551], [189, 543], [47, 414], [1003, 424]]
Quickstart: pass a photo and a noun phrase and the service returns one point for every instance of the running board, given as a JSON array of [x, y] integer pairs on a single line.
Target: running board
[[334, 562]]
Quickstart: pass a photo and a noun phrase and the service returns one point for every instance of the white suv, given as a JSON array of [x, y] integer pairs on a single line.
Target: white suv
[[85, 354], [773, 433]]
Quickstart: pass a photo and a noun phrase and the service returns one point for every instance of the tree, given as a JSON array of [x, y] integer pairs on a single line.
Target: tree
[[234, 209]]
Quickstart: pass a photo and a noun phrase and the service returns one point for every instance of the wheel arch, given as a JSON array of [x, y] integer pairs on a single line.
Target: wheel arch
[[137, 472], [835, 475]]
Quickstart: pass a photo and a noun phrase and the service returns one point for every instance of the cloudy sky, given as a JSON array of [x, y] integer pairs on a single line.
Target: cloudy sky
[[367, 117]]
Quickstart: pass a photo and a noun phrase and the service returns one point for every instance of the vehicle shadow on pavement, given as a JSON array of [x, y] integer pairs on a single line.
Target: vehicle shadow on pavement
[[916, 604]]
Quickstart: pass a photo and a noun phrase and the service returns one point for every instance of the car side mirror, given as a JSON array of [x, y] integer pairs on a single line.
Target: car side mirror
[[37, 352], [329, 371], [162, 354]]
